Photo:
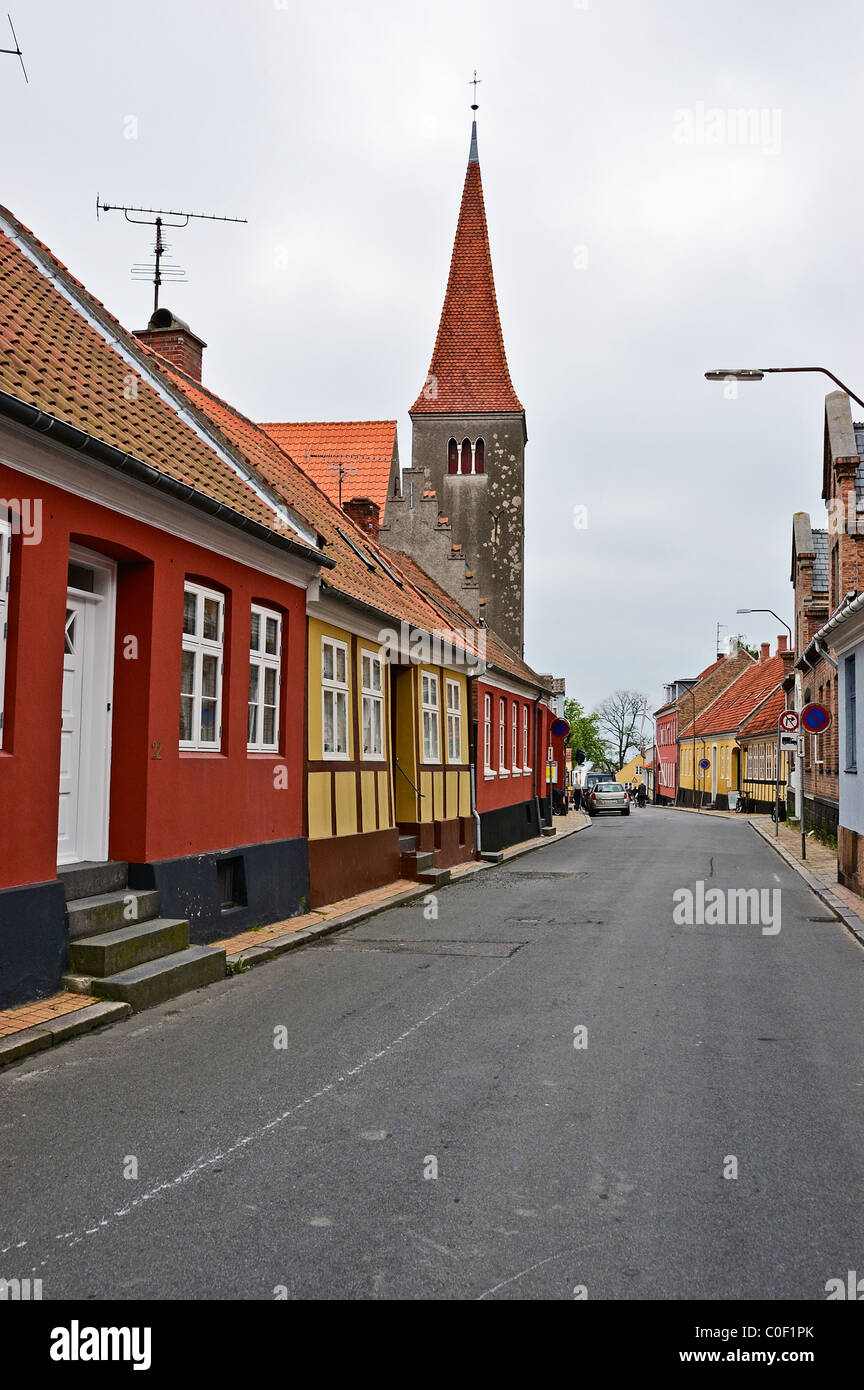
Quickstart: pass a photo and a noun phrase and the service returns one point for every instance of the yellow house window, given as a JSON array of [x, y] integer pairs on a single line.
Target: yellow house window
[[454, 722], [372, 696], [431, 725], [334, 697]]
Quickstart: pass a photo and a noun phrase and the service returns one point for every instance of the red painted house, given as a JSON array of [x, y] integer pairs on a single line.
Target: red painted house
[[152, 648]]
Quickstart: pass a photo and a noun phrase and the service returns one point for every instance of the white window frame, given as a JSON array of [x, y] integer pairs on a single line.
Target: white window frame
[[5, 585], [516, 767], [502, 737], [338, 693], [202, 646], [370, 696], [454, 720], [526, 762], [434, 712], [488, 769], [265, 661]]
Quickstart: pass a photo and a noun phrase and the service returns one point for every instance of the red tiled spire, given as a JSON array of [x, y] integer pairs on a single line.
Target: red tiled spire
[[469, 373]]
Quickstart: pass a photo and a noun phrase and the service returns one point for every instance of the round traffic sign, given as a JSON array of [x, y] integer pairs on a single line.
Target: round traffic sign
[[560, 728], [815, 719], [789, 721], [704, 763]]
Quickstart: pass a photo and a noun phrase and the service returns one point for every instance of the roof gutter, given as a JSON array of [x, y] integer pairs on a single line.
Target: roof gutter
[[32, 418]]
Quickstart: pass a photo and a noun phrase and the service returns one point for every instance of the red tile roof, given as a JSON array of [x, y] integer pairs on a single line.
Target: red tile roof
[[498, 654], [365, 449], [53, 358], [764, 720], [469, 372], [739, 700], [352, 577]]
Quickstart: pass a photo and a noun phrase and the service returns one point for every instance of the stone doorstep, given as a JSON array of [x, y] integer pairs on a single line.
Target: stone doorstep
[[850, 919], [71, 1024]]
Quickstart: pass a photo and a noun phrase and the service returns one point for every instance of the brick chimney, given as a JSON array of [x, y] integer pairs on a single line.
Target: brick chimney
[[364, 513], [781, 643], [174, 340], [765, 652]]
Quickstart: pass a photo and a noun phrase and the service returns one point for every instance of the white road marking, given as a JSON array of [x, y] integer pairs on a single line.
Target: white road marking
[[201, 1164]]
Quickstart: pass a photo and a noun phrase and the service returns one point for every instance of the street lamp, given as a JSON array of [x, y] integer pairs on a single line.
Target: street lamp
[[773, 615], [757, 373]]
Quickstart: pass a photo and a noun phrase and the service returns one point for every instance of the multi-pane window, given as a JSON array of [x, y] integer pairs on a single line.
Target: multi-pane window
[[265, 650], [431, 727], [372, 688], [487, 733], [526, 766], [5, 554], [201, 679], [502, 735], [849, 673], [334, 697], [514, 758], [454, 722]]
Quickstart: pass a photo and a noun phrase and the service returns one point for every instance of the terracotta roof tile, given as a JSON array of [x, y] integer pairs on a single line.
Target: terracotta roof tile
[[739, 700], [365, 448], [53, 358], [469, 372]]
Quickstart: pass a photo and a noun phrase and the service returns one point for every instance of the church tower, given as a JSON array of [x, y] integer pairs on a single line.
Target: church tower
[[469, 434]]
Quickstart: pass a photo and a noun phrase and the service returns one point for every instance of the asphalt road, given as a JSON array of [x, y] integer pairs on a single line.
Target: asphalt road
[[415, 1043]]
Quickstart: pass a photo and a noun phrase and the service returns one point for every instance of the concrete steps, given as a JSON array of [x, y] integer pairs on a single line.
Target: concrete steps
[[436, 877], [121, 949], [142, 986], [108, 912], [91, 880]]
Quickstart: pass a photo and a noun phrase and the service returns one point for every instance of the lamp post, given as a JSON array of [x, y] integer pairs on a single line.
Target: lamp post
[[773, 615], [757, 373]]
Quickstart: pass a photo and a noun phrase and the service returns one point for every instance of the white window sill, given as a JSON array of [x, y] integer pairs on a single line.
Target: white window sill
[[517, 772], [489, 774], [374, 758], [334, 757], [502, 772]]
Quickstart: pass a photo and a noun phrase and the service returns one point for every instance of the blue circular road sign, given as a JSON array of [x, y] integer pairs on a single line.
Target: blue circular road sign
[[815, 719], [704, 763]]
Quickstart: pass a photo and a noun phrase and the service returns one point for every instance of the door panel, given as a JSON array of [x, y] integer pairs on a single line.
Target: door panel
[[74, 658]]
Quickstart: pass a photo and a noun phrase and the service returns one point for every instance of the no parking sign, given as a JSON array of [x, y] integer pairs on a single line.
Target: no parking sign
[[815, 719]]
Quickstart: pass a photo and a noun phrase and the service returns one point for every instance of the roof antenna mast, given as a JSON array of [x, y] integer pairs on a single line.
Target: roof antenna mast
[[157, 219], [16, 51]]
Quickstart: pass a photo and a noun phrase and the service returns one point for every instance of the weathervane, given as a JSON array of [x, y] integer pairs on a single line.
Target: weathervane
[[475, 82], [16, 51], [158, 221]]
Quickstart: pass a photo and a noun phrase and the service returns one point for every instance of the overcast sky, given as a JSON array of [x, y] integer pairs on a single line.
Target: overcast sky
[[636, 242]]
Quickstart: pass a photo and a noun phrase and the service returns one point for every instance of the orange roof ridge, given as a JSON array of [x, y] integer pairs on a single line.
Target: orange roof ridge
[[469, 372]]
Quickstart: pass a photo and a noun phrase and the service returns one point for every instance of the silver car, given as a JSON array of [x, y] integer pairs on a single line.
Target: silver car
[[608, 796]]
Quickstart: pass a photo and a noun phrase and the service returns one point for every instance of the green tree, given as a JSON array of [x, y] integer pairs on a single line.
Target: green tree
[[585, 734]]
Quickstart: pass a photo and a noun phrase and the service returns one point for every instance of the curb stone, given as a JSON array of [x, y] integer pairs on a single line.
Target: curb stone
[[850, 920], [16, 1046]]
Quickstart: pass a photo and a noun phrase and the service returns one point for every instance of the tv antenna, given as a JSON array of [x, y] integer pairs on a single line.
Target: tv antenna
[[337, 463], [16, 51], [159, 218]]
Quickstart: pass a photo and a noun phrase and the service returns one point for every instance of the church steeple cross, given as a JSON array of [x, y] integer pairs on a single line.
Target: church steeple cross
[[475, 82]]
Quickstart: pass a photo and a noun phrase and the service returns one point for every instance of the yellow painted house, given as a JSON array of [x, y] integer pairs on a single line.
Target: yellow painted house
[[716, 736], [633, 772], [387, 754]]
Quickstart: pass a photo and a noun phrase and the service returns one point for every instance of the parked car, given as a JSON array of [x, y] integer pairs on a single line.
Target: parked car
[[608, 796]]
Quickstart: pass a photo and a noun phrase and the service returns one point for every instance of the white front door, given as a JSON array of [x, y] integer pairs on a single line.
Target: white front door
[[85, 733], [74, 655]]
